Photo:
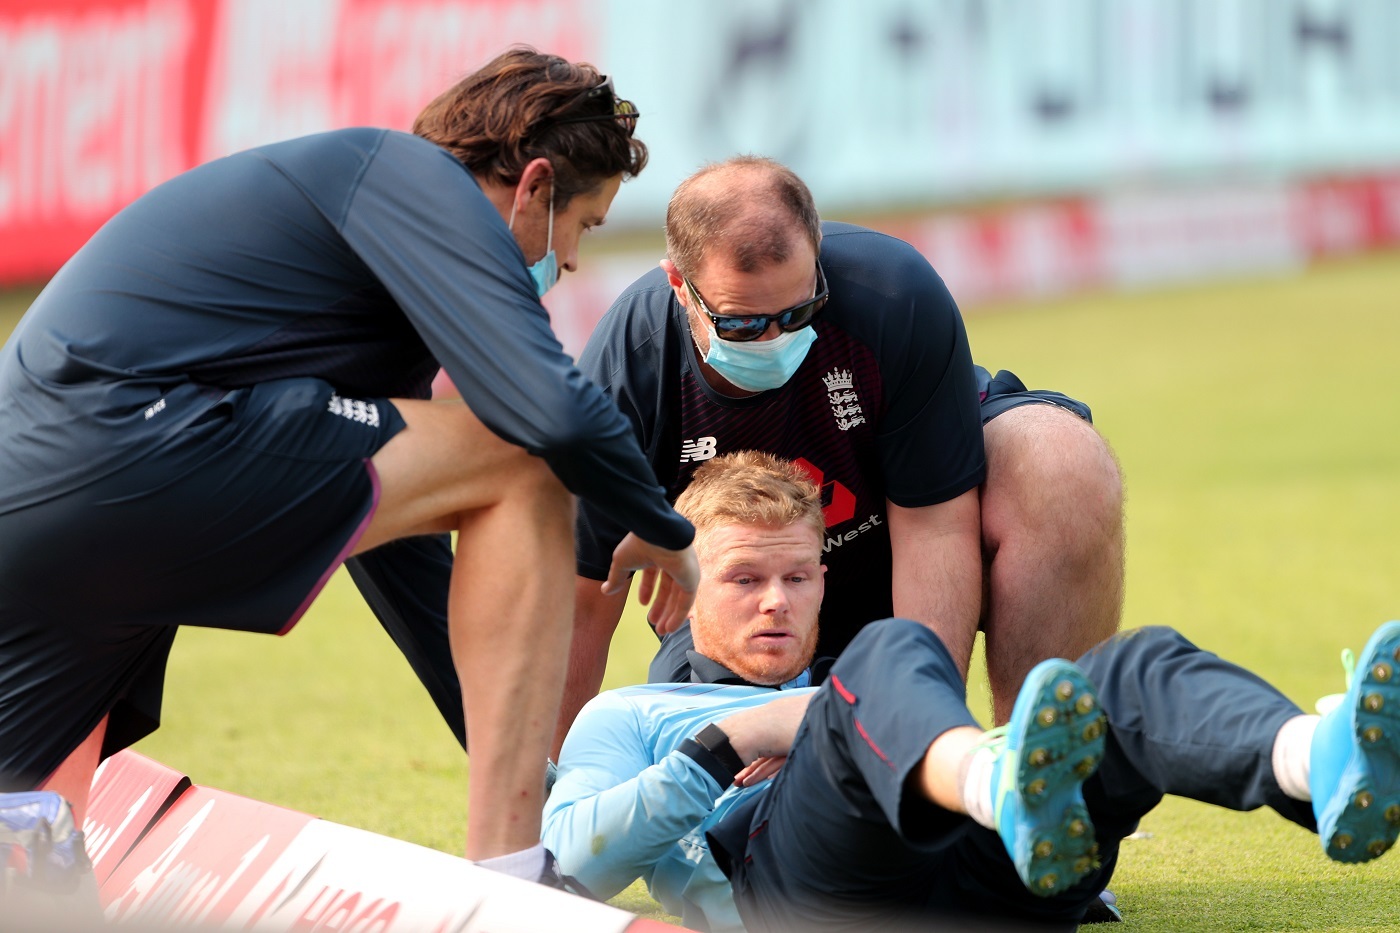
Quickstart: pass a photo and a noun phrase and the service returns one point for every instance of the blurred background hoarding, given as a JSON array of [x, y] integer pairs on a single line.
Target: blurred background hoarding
[[1027, 148]]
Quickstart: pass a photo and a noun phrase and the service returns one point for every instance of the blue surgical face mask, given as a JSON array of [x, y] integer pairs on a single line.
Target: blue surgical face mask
[[758, 365], [545, 272]]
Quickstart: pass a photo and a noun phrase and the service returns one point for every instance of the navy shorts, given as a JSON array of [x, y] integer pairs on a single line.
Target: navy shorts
[[235, 522], [1005, 391]]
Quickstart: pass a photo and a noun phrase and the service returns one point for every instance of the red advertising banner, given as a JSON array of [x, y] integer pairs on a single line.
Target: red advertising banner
[[129, 793], [1350, 215], [97, 105], [202, 857], [101, 100]]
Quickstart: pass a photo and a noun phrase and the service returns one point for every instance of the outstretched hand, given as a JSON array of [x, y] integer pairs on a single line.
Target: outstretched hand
[[669, 579]]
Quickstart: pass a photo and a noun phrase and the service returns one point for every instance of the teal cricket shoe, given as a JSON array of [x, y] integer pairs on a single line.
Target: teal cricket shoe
[[1355, 757], [1054, 741]]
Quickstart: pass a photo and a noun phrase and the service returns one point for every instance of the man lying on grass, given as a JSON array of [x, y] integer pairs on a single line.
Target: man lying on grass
[[893, 807]]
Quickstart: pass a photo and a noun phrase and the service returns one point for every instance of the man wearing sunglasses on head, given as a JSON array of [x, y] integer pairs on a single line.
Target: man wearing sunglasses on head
[[951, 497], [225, 395]]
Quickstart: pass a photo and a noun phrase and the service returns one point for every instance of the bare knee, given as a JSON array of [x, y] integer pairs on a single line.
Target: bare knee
[[530, 482], [1050, 478], [447, 466]]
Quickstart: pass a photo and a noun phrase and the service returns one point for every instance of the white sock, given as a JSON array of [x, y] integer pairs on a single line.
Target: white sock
[[977, 787], [1292, 756], [527, 864]]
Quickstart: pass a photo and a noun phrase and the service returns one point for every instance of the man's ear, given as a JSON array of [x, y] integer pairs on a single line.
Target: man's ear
[[536, 181], [673, 276]]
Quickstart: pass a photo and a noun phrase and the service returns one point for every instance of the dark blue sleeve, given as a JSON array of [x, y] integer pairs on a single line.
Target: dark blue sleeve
[[893, 301], [671, 665], [633, 356], [425, 229]]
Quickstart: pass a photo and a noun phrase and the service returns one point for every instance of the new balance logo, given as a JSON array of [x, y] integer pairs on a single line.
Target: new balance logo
[[702, 448], [355, 409]]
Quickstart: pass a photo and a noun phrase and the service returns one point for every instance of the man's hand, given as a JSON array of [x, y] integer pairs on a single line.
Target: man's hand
[[764, 732], [760, 769], [669, 576]]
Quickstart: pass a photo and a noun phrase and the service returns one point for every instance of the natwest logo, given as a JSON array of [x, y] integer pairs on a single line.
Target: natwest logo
[[840, 502]]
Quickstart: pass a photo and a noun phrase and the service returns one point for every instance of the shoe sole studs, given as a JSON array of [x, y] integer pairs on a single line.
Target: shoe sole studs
[[1369, 824], [1068, 729]]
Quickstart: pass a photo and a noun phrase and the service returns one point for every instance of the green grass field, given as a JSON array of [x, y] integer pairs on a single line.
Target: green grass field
[[1257, 427]]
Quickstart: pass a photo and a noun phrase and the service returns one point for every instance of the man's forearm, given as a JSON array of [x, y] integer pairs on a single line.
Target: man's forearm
[[766, 731], [609, 838], [937, 554], [595, 619]]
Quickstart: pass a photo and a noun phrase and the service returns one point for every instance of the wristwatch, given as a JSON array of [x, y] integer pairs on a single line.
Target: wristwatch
[[710, 749]]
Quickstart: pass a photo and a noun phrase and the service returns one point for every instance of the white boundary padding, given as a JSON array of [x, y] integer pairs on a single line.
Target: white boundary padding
[[334, 877], [219, 860]]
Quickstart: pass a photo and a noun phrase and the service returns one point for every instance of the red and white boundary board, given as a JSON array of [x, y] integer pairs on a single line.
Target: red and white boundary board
[[201, 858], [333, 877], [217, 859], [129, 793]]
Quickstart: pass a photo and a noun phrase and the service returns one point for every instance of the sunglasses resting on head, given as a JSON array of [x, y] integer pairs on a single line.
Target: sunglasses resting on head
[[623, 111]]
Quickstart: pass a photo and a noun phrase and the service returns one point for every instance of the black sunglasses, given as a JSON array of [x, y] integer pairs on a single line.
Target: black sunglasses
[[740, 329], [623, 111]]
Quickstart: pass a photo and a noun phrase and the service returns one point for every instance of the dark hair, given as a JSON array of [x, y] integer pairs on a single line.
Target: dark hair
[[499, 118], [748, 209]]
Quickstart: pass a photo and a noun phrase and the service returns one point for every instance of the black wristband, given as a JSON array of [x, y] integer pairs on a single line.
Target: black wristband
[[711, 750]]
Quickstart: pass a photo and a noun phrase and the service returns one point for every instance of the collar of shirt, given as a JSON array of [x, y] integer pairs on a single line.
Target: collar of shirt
[[704, 670]]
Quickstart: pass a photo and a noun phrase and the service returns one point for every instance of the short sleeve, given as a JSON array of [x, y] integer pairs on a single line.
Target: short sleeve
[[892, 300]]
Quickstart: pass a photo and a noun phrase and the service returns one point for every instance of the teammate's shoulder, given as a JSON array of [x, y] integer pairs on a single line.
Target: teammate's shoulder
[[358, 139], [849, 243], [647, 298], [640, 317], [358, 145]]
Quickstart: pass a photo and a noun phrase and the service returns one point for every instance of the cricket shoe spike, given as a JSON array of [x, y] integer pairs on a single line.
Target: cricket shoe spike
[[1355, 757], [1054, 741]]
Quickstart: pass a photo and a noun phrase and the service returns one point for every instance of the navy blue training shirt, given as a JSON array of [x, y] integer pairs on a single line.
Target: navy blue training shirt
[[363, 257], [884, 406]]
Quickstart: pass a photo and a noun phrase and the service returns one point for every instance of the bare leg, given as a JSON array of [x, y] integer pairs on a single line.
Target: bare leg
[[1052, 527], [72, 780], [595, 620], [511, 611], [944, 769], [510, 606]]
